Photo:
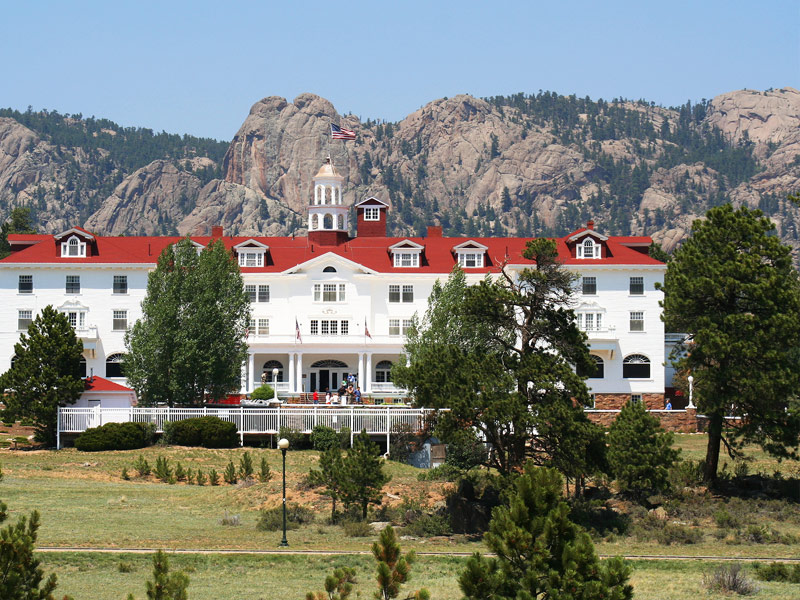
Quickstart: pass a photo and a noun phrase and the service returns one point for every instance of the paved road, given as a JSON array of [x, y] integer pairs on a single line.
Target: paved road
[[368, 553]]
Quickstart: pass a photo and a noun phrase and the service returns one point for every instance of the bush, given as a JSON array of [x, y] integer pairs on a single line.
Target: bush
[[323, 438], [208, 432], [686, 473], [778, 572], [162, 471], [200, 478], [729, 579], [678, 534], [230, 473], [443, 472], [142, 466], [725, 520], [264, 474], [114, 436], [296, 515], [246, 466], [429, 525], [125, 474], [213, 477], [263, 392], [125, 567], [465, 451], [357, 529], [180, 472], [297, 440]]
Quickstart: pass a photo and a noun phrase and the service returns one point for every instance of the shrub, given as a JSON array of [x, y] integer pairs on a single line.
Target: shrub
[[296, 515], [429, 525], [729, 579], [465, 451], [125, 567], [403, 442], [162, 471], [213, 477], [323, 438], [263, 392], [142, 466], [778, 572], [246, 466], [686, 473], [357, 529], [114, 436], [264, 474], [209, 432], [297, 440], [725, 520], [229, 474], [189, 476], [678, 534], [180, 473], [125, 475], [443, 472], [200, 478]]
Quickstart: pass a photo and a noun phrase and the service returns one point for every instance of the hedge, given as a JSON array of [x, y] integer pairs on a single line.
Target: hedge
[[115, 436], [209, 432]]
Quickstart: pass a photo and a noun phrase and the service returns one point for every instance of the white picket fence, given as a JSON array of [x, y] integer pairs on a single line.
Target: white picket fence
[[376, 420]]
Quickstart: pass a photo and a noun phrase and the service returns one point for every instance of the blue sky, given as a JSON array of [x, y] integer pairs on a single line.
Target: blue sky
[[197, 67]]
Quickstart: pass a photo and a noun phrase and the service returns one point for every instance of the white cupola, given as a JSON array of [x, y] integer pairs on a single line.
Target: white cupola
[[328, 218]]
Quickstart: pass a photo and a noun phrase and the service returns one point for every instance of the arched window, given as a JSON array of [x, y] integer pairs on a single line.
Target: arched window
[[74, 246], [329, 364], [316, 195], [329, 270], [338, 196], [315, 221], [599, 369], [269, 366], [82, 367], [341, 222], [383, 371], [114, 365], [327, 222], [636, 366]]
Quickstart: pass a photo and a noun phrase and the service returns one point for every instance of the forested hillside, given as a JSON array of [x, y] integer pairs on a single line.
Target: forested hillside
[[527, 164]]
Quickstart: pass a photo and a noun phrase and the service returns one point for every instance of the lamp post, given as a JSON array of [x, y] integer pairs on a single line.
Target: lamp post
[[275, 385], [691, 389], [283, 444]]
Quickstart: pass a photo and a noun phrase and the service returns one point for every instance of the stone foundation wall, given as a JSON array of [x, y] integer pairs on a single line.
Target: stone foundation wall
[[681, 421], [617, 401]]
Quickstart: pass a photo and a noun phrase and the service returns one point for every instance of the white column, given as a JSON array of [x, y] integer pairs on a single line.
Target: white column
[[292, 381], [360, 373], [243, 386], [300, 372], [251, 363], [368, 377]]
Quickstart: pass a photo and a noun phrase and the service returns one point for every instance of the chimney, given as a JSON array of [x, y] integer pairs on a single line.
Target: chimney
[[590, 224], [434, 231], [216, 231]]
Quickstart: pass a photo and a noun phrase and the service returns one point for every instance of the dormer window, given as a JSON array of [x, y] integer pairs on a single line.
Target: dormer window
[[588, 248], [372, 213], [251, 253], [471, 255], [405, 254], [406, 259], [73, 247]]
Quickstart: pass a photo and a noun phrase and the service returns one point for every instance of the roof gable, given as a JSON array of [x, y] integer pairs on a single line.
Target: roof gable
[[371, 201], [406, 245], [329, 258], [77, 231], [251, 243], [470, 245]]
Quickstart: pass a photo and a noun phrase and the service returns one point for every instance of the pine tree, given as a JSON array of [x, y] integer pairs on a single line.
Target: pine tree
[[540, 553], [640, 452], [330, 476], [21, 577], [166, 586], [363, 476], [338, 585], [45, 373], [393, 568], [19, 221]]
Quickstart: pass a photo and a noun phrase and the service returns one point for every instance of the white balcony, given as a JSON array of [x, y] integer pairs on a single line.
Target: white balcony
[[604, 334]]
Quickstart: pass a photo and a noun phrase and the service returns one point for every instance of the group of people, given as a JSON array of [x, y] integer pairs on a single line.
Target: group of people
[[348, 389]]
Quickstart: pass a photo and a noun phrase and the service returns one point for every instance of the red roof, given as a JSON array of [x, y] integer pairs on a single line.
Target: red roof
[[101, 384], [287, 252]]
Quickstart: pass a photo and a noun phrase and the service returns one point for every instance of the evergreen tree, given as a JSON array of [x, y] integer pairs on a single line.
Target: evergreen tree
[[21, 577], [733, 288], [45, 373], [331, 476], [338, 585], [363, 476], [165, 585], [640, 452], [540, 553], [191, 341], [394, 569], [19, 221]]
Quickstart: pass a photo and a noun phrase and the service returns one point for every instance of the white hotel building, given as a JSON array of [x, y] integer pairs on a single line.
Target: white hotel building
[[351, 297]]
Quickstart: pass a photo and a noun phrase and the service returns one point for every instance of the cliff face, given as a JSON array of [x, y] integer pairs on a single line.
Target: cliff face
[[519, 165]]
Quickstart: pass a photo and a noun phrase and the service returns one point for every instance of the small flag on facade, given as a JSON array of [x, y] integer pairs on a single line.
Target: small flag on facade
[[297, 331], [340, 133], [366, 330]]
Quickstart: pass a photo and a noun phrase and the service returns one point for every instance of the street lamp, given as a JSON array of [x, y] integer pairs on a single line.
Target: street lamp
[[283, 444], [691, 388], [275, 385]]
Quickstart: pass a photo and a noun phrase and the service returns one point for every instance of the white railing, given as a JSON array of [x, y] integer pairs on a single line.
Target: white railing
[[376, 420]]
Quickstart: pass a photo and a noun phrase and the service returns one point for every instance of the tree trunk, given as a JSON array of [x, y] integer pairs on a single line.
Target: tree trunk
[[712, 450]]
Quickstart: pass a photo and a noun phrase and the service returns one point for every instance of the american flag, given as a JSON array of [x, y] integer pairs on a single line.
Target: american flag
[[297, 330], [366, 330], [339, 133]]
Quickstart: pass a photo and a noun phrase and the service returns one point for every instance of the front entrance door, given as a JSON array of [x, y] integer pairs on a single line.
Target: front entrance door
[[324, 379]]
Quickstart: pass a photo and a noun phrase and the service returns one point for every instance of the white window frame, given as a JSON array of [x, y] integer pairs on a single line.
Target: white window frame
[[76, 279], [475, 257], [399, 327], [636, 398], [588, 281], [118, 279], [263, 327], [588, 244], [631, 284], [29, 280], [251, 290], [335, 292], [251, 257], [119, 320], [263, 293], [403, 259], [636, 316], [74, 247], [24, 315], [372, 213]]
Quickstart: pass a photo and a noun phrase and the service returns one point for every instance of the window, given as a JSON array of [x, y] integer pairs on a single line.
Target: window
[[82, 368], [263, 293], [329, 292], [590, 321], [73, 284], [398, 326], [636, 366], [114, 366], [470, 260], [250, 291], [329, 327], [592, 402], [263, 327], [588, 249], [76, 318], [383, 372], [395, 294], [314, 327], [408, 293], [589, 285], [120, 320], [329, 270], [636, 398], [406, 259], [637, 321], [24, 318], [25, 285], [637, 286], [268, 368], [73, 247], [120, 284], [251, 259], [372, 214], [598, 372]]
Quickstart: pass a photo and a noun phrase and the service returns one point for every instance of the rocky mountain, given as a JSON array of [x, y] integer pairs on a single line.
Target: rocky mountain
[[523, 165]]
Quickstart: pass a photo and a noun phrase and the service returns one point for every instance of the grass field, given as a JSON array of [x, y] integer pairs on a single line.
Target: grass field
[[84, 502]]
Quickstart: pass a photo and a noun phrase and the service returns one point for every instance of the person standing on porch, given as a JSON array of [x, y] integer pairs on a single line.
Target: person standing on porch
[[357, 395], [327, 396], [315, 396]]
